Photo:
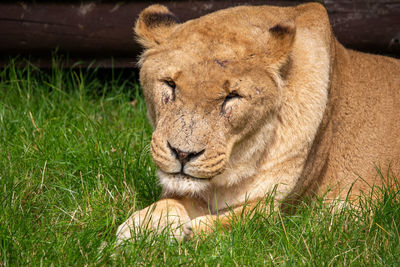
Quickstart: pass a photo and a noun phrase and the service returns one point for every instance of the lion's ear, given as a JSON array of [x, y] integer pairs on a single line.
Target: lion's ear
[[154, 24], [282, 37]]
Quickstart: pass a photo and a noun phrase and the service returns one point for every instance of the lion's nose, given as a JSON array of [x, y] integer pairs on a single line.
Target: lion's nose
[[183, 156]]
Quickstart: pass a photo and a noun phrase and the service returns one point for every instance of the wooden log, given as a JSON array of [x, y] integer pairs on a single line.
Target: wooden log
[[99, 31]]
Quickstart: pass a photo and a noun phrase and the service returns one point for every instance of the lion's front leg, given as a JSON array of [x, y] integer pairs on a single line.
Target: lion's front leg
[[208, 223], [167, 213]]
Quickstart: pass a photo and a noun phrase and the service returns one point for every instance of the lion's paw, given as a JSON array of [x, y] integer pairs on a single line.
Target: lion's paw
[[174, 223], [127, 229]]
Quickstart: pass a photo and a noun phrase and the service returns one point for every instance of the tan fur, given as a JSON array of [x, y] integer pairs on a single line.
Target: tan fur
[[311, 117]]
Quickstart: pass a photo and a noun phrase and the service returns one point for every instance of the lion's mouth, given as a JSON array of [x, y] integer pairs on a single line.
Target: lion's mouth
[[185, 176], [182, 175]]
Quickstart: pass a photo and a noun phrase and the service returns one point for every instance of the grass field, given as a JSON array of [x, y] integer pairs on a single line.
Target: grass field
[[75, 162]]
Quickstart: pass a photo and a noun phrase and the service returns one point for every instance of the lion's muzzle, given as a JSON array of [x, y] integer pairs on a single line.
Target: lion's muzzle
[[184, 157], [205, 163]]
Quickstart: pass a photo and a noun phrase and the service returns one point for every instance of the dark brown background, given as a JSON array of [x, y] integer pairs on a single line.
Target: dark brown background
[[101, 30]]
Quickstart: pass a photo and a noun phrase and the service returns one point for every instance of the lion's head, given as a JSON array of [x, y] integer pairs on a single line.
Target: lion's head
[[213, 92]]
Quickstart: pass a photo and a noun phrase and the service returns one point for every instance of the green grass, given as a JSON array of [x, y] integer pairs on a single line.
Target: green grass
[[75, 162]]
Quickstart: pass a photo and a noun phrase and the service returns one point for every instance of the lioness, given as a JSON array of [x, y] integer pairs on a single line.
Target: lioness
[[249, 100]]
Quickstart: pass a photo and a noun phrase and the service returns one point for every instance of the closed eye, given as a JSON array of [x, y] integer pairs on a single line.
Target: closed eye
[[170, 83], [231, 96]]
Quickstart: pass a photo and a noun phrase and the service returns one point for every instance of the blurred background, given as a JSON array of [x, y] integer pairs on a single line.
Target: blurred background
[[100, 32]]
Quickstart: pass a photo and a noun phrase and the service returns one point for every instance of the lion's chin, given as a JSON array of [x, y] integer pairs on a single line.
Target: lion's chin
[[182, 185]]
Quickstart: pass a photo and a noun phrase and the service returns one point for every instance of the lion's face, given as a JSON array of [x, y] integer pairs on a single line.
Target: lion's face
[[205, 96]]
